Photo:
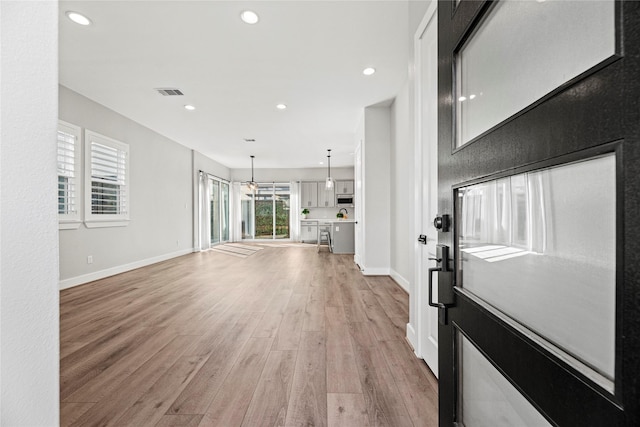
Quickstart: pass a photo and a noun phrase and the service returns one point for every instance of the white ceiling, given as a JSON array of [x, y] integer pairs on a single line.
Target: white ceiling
[[308, 55]]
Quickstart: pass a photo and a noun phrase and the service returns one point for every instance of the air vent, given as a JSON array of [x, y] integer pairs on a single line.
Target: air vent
[[169, 91], [249, 140]]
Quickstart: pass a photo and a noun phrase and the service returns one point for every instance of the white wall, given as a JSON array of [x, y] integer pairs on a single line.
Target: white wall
[[303, 174], [286, 175], [376, 210], [402, 192], [161, 199], [29, 352]]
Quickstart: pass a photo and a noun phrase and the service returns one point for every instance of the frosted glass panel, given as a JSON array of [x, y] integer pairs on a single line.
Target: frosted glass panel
[[540, 247], [487, 398], [523, 51]]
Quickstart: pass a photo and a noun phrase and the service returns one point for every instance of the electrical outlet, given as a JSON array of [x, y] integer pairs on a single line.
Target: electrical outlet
[[90, 259]]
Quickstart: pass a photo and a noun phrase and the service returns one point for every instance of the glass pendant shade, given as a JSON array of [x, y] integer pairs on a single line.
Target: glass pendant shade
[[252, 185], [329, 183]]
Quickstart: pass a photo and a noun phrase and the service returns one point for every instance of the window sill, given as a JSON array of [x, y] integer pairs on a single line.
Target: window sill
[[69, 225], [107, 223]]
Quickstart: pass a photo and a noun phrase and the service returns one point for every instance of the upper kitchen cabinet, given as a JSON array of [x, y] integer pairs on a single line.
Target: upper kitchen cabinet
[[309, 194], [344, 187], [326, 198]]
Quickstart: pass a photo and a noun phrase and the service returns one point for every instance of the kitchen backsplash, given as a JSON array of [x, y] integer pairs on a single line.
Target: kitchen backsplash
[[328, 213]]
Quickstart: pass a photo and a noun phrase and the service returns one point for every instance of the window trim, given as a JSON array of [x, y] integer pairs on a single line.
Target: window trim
[[92, 220], [72, 221]]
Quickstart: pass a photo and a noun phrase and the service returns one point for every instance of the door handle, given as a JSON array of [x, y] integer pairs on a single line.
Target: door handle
[[431, 303], [442, 258]]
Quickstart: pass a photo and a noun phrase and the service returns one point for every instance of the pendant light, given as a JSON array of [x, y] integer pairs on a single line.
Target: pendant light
[[329, 184], [252, 185]]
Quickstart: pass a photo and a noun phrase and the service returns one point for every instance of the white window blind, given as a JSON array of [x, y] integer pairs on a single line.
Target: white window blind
[[68, 161], [107, 178]]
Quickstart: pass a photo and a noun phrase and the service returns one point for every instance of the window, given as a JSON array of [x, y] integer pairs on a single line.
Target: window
[[106, 180], [68, 160]]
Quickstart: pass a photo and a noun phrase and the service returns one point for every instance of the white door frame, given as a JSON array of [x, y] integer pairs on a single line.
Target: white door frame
[[425, 348]]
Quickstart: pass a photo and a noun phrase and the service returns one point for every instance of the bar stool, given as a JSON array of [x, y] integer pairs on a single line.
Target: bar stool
[[324, 237]]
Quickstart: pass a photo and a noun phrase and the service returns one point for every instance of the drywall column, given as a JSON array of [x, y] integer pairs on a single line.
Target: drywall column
[[376, 188], [29, 355]]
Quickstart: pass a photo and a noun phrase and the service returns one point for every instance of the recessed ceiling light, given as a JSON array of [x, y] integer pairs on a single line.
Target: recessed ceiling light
[[281, 107], [250, 17], [368, 71], [472, 96], [78, 18], [322, 163], [189, 107], [462, 98]]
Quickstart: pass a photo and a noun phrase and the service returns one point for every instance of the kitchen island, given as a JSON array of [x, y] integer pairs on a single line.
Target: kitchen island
[[342, 232]]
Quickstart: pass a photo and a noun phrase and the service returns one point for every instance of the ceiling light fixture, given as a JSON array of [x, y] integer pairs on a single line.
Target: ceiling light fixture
[[78, 18], [249, 17], [368, 71], [189, 107], [252, 185], [329, 184], [281, 107]]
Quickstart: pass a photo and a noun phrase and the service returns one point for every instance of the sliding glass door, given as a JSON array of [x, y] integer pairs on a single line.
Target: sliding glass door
[[265, 213], [218, 210], [214, 201], [224, 211], [263, 209], [281, 203]]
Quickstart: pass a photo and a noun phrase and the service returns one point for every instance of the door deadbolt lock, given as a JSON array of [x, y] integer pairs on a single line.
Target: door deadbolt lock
[[442, 223]]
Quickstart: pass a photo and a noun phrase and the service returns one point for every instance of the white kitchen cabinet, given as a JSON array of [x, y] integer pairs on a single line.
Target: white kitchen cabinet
[[344, 187], [309, 231], [326, 198], [308, 194]]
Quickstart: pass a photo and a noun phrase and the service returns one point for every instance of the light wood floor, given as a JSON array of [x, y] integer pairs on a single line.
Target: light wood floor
[[286, 337]]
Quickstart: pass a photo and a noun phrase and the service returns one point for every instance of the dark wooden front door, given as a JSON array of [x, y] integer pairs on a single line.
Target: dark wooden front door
[[540, 297]]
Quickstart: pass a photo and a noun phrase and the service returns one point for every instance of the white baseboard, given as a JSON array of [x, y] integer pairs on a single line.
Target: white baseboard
[[404, 283], [412, 338], [375, 271], [96, 275]]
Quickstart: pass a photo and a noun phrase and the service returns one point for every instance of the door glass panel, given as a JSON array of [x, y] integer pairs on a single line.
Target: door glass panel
[[224, 195], [246, 201], [214, 210], [540, 247], [264, 211], [486, 398], [282, 199], [539, 45]]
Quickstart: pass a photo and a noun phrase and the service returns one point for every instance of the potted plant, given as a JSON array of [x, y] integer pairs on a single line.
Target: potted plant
[[305, 212]]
